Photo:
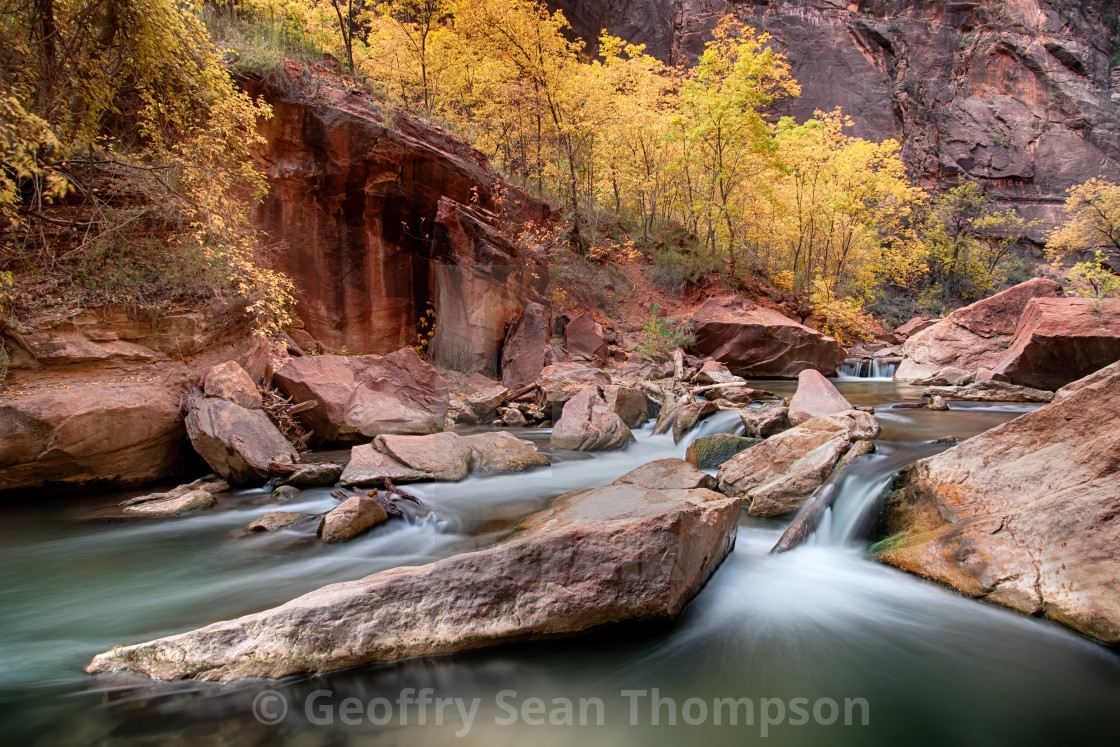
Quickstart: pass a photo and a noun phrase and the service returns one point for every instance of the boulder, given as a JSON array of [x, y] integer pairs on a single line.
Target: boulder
[[989, 391], [236, 442], [714, 372], [667, 474], [765, 421], [780, 474], [315, 475], [560, 382], [512, 417], [915, 325], [1024, 514], [500, 453], [350, 518], [484, 404], [583, 337], [370, 466], [230, 382], [528, 347], [710, 452], [739, 395], [440, 456], [631, 404], [1060, 340], [365, 395], [211, 484], [596, 557], [756, 341], [272, 521], [187, 503], [688, 415], [973, 337], [815, 396], [587, 424]]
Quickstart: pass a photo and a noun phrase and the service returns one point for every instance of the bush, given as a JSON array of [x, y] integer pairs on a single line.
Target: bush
[[664, 334]]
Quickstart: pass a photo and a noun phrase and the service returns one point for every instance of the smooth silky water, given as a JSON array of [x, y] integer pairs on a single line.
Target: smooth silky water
[[820, 622]]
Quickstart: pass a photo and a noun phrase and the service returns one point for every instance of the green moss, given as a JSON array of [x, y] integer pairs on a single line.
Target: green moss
[[894, 542], [710, 452]]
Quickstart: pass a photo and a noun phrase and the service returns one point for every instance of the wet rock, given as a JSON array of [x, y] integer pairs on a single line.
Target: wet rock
[[756, 341], [285, 492], [989, 391], [1060, 340], [739, 395], [596, 557], [631, 404], [688, 415], [500, 453], [667, 474], [236, 442], [512, 417], [528, 347], [366, 395], [485, 404], [315, 475], [938, 402], [350, 518], [973, 337], [272, 521], [230, 382], [815, 396], [560, 382], [210, 483], [780, 474], [187, 503], [587, 424], [949, 376], [714, 372], [440, 456], [710, 452], [1024, 514], [765, 421]]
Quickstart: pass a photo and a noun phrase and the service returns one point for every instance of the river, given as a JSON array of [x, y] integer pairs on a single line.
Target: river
[[820, 630]]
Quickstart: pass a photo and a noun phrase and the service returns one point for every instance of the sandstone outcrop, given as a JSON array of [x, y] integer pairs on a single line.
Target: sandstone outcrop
[[365, 395], [596, 558], [1024, 514], [755, 341], [780, 474]]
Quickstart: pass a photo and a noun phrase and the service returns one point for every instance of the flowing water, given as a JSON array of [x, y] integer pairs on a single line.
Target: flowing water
[[875, 369], [868, 654]]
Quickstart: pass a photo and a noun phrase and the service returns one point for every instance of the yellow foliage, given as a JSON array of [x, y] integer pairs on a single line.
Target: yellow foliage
[[1093, 221]]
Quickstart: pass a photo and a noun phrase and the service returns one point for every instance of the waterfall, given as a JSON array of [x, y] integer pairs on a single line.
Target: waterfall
[[867, 369]]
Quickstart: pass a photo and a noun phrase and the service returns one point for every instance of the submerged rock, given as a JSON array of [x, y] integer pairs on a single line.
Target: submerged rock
[[587, 424], [815, 396], [1025, 514], [236, 442], [187, 503], [597, 557], [780, 474], [710, 452]]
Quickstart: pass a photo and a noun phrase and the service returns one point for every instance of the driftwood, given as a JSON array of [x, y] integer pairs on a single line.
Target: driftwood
[[283, 468], [710, 387], [678, 364], [518, 393], [281, 412]]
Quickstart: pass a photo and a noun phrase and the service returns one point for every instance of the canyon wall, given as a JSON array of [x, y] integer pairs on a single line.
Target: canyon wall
[[1023, 95]]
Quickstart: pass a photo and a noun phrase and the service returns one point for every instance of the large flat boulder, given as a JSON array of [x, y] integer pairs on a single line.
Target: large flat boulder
[[1060, 340], [597, 557], [366, 395], [588, 424], [815, 396], [528, 347], [779, 474], [445, 457], [237, 443], [974, 337], [1025, 514], [755, 341]]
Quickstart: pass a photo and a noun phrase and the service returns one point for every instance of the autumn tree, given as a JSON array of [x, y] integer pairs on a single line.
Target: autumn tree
[[1093, 219]]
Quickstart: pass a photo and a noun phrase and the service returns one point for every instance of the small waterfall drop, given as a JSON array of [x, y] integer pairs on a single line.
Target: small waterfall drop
[[867, 369]]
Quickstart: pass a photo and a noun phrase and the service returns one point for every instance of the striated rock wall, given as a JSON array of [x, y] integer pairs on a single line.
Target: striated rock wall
[[353, 207], [1023, 95]]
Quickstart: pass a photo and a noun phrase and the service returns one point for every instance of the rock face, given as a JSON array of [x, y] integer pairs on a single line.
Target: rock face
[[527, 348], [482, 281], [350, 518], [756, 341], [1060, 340], [974, 337], [780, 474], [583, 337], [595, 558], [993, 517], [588, 424], [93, 398], [236, 442], [815, 396], [1014, 93], [366, 395], [375, 219]]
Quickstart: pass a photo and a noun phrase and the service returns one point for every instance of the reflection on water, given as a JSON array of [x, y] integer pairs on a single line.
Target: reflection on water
[[820, 622]]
